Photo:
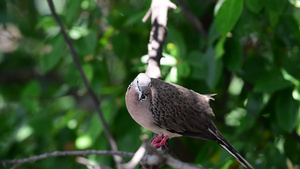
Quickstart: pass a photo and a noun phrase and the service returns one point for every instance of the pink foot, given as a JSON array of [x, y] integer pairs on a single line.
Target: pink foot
[[160, 140], [157, 139]]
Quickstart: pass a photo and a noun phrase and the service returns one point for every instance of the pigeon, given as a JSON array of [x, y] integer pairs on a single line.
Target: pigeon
[[170, 110]]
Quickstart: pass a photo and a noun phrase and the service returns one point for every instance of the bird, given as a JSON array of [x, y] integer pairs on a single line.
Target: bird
[[171, 110]]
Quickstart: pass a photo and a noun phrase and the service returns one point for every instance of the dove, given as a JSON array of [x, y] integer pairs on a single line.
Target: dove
[[170, 110]]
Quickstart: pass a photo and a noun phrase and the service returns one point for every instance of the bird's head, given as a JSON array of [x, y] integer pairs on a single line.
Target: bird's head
[[141, 85]]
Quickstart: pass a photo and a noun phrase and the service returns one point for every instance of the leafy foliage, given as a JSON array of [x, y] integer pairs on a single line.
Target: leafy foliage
[[250, 58]]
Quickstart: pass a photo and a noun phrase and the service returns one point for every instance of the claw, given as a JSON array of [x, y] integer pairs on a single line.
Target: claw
[[157, 139], [160, 140]]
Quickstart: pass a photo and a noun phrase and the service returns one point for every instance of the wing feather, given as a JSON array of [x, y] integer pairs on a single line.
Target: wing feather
[[180, 110]]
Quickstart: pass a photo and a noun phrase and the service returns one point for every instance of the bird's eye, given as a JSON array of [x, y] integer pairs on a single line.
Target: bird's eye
[[143, 98]]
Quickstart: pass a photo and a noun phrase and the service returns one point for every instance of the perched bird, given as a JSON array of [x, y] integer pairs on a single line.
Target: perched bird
[[170, 110]]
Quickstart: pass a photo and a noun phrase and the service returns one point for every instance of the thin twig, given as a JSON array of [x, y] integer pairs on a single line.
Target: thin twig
[[192, 18], [86, 162], [75, 57], [147, 15], [174, 163], [64, 153], [138, 155]]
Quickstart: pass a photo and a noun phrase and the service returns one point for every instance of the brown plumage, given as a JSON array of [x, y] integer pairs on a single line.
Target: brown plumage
[[170, 110]]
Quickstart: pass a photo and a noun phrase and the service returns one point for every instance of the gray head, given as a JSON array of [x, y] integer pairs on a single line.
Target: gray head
[[141, 84]]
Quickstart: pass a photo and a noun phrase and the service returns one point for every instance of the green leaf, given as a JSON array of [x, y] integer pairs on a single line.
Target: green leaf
[[95, 127], [174, 36], [32, 90], [196, 60], [73, 77], [254, 68], [183, 69], [256, 102], [108, 90], [88, 71], [228, 15], [212, 34], [30, 96], [255, 6], [72, 11], [50, 60], [63, 103], [213, 67], [275, 6], [133, 19], [233, 55], [83, 141], [46, 22], [234, 117], [121, 44], [86, 45], [273, 17], [271, 81], [41, 123], [219, 49], [287, 111], [292, 148]]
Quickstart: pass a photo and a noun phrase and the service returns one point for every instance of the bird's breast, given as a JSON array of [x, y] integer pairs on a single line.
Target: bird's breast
[[140, 112]]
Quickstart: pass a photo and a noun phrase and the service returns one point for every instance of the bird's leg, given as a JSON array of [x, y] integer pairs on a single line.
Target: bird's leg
[[164, 142], [160, 140], [157, 139]]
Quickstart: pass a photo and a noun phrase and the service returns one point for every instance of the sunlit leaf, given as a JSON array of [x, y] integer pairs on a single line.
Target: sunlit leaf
[[176, 37], [235, 86], [219, 49], [83, 142], [23, 133], [228, 15], [233, 118]]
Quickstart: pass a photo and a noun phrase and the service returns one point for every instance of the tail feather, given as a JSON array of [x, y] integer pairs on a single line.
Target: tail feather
[[230, 149]]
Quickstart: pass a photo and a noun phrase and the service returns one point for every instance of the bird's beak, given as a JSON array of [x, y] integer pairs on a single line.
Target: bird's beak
[[140, 96]]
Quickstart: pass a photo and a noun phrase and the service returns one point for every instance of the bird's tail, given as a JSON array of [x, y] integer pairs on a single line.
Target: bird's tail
[[230, 149]]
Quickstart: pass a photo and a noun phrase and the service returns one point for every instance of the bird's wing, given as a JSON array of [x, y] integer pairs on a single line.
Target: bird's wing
[[186, 112], [180, 110]]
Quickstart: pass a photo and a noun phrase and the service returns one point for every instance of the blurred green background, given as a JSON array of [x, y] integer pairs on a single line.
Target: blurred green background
[[249, 56]]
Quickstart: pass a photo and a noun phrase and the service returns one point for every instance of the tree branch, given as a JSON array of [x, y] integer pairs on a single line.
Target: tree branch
[[146, 155], [156, 157], [63, 153], [86, 162], [111, 141], [159, 11], [168, 160]]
